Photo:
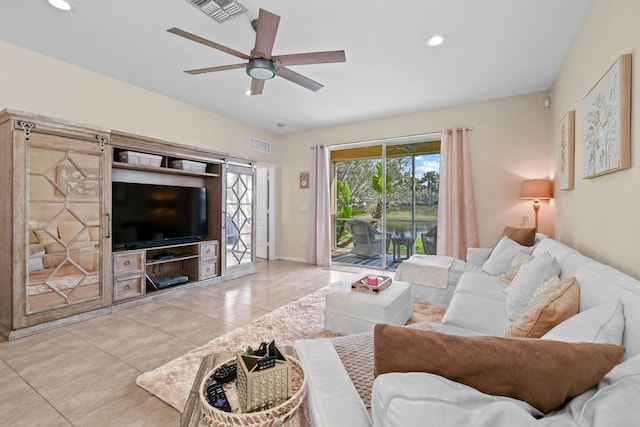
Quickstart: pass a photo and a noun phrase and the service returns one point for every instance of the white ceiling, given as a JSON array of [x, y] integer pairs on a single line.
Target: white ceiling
[[494, 48]]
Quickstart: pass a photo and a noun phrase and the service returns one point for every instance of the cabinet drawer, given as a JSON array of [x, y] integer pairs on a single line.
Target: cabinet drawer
[[208, 270], [128, 287], [208, 250], [127, 263]]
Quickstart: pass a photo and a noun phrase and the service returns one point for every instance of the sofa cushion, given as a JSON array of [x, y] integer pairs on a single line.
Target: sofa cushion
[[478, 304], [600, 284], [532, 275], [601, 324], [555, 248], [522, 236], [502, 255], [552, 303], [610, 404], [477, 313], [541, 372], [419, 399], [514, 268], [483, 285], [570, 264]]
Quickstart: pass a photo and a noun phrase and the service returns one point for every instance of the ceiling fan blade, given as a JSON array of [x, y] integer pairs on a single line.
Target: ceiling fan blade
[[212, 69], [310, 58], [256, 86], [299, 79], [266, 33], [206, 42]]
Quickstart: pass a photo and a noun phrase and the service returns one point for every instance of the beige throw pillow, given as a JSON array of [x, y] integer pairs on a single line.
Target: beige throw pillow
[[42, 235], [552, 303], [514, 268], [543, 373]]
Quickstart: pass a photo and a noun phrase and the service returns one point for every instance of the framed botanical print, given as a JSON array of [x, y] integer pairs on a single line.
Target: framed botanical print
[[606, 125], [565, 175]]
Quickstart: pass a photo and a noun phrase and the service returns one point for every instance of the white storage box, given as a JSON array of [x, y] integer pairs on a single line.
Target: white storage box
[[188, 165], [140, 158]]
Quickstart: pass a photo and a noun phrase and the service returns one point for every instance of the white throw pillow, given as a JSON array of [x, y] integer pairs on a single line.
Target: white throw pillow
[[502, 255], [611, 402], [532, 276], [603, 324]]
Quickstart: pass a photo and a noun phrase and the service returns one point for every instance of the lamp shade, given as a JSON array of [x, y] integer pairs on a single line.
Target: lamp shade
[[536, 189]]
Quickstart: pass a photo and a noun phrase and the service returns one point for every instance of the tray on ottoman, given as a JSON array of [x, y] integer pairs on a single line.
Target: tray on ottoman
[[363, 285]]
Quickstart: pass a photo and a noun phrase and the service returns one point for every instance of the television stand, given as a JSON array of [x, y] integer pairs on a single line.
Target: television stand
[[141, 271]]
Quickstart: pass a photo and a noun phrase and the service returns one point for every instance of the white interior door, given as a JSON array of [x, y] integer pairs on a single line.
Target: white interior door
[[262, 212]]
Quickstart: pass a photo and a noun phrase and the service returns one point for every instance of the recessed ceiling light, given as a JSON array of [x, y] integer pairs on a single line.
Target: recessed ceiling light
[[60, 4], [247, 92], [435, 41]]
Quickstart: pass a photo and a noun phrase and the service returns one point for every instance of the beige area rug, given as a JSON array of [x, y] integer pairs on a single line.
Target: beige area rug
[[299, 319]]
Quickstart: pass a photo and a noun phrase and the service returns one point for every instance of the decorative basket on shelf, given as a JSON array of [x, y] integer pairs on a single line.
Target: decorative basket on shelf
[[271, 417]]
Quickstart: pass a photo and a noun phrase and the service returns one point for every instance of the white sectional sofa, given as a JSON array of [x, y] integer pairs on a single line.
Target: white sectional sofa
[[609, 312]]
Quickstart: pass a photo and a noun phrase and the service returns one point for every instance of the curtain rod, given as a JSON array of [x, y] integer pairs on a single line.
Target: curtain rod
[[397, 139]]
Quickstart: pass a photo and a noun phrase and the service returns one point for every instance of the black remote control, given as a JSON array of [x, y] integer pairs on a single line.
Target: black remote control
[[226, 373], [218, 398]]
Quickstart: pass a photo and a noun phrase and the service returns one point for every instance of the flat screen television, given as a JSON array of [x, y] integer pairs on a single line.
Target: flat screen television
[[149, 215]]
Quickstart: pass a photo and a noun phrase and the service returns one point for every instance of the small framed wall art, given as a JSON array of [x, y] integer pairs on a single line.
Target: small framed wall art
[[304, 179], [567, 144], [606, 126]]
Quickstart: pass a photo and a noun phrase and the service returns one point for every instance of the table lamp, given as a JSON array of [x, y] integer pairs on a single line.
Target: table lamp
[[536, 189]]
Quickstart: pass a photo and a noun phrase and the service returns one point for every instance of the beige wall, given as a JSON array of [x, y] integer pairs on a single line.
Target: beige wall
[[598, 216], [510, 141], [39, 84]]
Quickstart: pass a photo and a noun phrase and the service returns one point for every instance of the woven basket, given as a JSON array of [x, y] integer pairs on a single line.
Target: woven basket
[[271, 417]]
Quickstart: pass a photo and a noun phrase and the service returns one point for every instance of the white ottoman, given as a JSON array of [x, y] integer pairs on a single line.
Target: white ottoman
[[348, 312]]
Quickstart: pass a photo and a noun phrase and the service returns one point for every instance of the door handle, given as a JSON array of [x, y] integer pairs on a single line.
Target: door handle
[[109, 226]]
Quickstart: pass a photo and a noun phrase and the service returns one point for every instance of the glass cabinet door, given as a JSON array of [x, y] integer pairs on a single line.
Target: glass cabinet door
[[239, 222], [64, 202]]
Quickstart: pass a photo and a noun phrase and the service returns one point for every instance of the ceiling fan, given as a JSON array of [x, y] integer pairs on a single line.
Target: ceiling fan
[[261, 64]]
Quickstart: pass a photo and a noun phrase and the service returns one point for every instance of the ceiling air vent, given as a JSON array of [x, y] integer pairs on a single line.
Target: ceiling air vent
[[259, 145], [220, 10]]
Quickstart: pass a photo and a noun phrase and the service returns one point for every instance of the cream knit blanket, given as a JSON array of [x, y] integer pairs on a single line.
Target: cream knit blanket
[[429, 270]]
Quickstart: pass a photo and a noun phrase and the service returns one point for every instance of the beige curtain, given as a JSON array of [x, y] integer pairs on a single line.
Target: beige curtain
[[457, 229], [320, 240]]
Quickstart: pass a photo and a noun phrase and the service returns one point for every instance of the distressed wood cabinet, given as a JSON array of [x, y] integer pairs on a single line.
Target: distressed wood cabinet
[[56, 215]]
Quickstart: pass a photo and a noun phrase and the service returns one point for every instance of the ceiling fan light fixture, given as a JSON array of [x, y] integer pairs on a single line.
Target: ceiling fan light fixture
[[261, 69]]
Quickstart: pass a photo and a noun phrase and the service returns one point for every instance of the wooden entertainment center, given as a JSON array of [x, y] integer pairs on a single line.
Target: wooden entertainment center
[[57, 221]]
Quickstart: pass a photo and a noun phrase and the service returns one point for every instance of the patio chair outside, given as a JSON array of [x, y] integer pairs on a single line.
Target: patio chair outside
[[367, 240], [429, 240]]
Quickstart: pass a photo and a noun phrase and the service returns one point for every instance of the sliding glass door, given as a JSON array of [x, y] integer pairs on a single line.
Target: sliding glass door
[[385, 202]]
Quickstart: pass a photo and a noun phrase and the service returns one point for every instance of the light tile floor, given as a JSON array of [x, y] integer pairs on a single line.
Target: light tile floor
[[84, 374]]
